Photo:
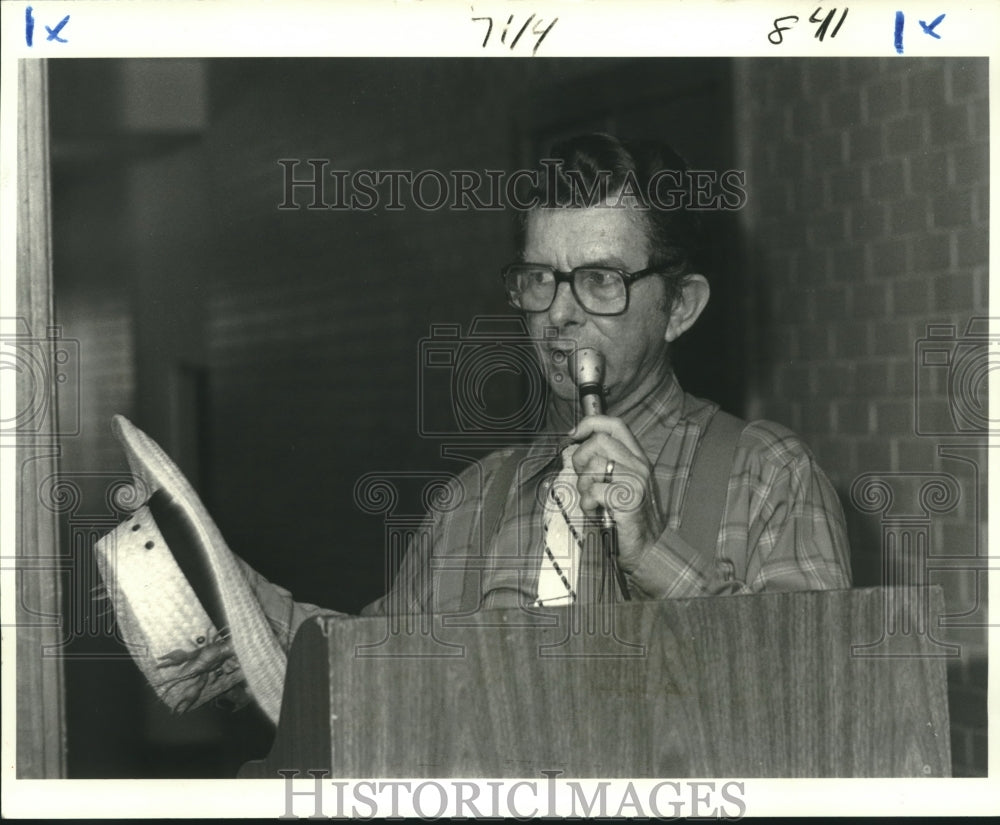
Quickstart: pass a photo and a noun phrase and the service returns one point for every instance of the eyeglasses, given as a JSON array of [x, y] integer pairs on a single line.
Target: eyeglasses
[[600, 290]]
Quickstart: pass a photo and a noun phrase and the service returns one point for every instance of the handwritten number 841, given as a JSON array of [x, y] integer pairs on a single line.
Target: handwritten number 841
[[519, 31], [776, 35]]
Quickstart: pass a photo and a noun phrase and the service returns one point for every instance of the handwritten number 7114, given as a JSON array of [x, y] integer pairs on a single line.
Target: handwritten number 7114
[[518, 31]]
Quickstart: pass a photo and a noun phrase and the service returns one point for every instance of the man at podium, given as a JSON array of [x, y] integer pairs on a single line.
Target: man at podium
[[632, 490], [635, 489]]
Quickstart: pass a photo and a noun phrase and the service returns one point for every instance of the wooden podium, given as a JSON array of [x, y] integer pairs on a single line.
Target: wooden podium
[[840, 683]]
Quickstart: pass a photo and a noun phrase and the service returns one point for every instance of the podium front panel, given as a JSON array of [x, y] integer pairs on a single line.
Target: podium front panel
[[826, 684]]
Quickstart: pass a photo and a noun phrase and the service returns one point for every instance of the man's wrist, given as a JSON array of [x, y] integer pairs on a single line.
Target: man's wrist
[[641, 573]]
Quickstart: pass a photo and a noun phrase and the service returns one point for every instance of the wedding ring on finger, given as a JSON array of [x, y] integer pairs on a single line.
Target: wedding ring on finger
[[609, 471]]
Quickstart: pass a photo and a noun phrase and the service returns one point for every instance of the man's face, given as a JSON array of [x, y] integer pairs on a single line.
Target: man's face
[[633, 343]]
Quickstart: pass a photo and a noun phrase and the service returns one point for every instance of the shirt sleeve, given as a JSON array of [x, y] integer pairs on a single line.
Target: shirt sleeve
[[783, 529], [798, 537], [671, 568], [283, 613]]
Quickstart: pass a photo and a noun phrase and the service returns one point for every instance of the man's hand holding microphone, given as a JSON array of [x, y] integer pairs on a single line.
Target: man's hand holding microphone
[[614, 477]]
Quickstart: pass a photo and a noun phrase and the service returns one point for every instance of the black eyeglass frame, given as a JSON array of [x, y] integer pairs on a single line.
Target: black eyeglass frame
[[562, 276]]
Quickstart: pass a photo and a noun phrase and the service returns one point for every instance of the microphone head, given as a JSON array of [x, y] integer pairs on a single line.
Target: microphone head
[[587, 367]]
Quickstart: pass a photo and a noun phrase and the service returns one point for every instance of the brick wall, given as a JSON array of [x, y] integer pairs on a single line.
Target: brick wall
[[867, 223]]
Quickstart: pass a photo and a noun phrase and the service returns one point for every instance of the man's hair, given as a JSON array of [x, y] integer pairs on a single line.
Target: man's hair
[[579, 170]]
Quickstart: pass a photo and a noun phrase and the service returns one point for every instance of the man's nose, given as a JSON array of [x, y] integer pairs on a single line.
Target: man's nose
[[565, 309]]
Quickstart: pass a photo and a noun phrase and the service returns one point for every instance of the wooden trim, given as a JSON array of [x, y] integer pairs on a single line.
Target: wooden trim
[[41, 724]]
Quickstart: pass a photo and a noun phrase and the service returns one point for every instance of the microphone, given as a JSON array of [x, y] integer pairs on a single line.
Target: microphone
[[587, 367], [588, 372]]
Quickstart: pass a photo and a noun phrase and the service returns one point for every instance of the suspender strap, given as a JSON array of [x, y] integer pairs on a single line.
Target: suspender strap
[[708, 484], [490, 513], [701, 516]]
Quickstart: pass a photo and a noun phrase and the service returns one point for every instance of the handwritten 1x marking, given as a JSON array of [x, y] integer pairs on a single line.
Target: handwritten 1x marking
[[29, 28], [54, 33], [929, 29]]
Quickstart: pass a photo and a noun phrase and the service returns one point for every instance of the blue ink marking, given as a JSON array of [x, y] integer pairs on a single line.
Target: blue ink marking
[[29, 26], [54, 33], [930, 29], [898, 36]]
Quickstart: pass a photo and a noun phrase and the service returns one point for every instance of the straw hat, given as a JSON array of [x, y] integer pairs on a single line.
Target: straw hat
[[183, 655]]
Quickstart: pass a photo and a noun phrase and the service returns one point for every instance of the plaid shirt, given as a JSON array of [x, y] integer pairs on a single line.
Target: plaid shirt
[[782, 526]]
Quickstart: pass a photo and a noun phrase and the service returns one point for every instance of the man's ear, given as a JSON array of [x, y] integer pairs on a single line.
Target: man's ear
[[690, 302]]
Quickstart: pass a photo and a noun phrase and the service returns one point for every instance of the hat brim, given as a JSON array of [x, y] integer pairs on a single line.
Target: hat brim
[[261, 657]]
